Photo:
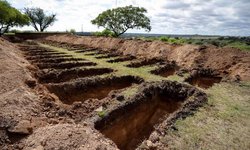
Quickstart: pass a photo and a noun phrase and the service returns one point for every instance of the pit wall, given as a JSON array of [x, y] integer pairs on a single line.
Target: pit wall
[[230, 61]]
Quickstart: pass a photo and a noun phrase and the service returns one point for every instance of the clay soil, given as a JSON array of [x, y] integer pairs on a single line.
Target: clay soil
[[69, 92]]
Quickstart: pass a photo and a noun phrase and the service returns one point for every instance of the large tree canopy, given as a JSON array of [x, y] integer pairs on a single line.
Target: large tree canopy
[[39, 20], [10, 17], [120, 19]]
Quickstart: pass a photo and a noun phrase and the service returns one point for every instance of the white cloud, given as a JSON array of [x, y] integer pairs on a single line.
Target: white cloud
[[227, 17]]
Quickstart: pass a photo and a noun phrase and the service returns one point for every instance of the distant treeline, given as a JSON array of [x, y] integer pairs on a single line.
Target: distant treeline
[[131, 35]]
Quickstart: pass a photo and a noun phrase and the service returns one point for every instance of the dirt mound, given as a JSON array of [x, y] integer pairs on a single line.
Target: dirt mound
[[67, 136], [17, 101], [229, 61], [29, 113]]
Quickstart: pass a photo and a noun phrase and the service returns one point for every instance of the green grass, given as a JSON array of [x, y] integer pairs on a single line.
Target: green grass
[[178, 78], [240, 45], [234, 42], [130, 91], [101, 113], [223, 123]]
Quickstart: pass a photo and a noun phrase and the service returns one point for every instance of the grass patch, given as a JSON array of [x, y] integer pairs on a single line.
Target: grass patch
[[223, 123], [130, 91], [101, 113], [242, 43], [178, 78]]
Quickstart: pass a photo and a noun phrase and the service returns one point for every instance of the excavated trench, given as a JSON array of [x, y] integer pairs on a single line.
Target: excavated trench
[[122, 59], [69, 46], [65, 65], [136, 125], [204, 78], [86, 50], [92, 54], [167, 70], [204, 82], [37, 52], [56, 60], [95, 88], [32, 48], [107, 56], [56, 76], [15, 137], [133, 122], [145, 63], [47, 53], [48, 57]]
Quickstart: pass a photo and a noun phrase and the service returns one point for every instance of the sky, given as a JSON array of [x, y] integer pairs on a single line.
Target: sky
[[205, 17]]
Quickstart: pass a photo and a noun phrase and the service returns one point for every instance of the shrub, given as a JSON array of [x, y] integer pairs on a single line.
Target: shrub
[[73, 31], [221, 38], [215, 43], [172, 40], [164, 38], [198, 43], [105, 32]]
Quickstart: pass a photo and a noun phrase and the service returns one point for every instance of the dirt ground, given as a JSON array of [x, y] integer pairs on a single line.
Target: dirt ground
[[23, 112], [70, 92]]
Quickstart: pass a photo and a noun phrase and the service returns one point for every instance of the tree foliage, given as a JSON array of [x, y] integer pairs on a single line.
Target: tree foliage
[[120, 19], [39, 20], [10, 17], [105, 32]]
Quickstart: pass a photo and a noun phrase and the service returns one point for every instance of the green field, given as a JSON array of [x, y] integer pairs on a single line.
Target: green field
[[242, 43]]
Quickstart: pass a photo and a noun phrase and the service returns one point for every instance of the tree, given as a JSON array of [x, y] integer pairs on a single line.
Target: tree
[[105, 32], [120, 19], [10, 17], [39, 20]]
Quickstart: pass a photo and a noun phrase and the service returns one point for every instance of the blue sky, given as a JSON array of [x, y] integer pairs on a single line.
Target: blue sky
[[212, 17]]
